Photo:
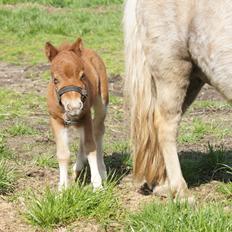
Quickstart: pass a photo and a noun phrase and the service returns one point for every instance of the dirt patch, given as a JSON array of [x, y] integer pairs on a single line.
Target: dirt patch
[[19, 79], [10, 220]]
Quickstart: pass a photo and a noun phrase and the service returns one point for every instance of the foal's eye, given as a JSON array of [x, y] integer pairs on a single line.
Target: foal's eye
[[56, 81], [82, 76]]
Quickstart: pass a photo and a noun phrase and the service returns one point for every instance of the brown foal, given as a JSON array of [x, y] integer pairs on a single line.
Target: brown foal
[[78, 84]]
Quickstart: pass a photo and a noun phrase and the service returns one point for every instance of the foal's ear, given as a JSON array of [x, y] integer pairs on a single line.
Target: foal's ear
[[50, 51], [77, 47]]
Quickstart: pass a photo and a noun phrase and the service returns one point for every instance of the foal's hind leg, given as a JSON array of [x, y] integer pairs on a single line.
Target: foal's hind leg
[[171, 89], [99, 129], [81, 157], [91, 152]]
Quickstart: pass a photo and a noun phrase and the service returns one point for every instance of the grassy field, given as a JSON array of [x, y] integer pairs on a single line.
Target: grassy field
[[29, 200]]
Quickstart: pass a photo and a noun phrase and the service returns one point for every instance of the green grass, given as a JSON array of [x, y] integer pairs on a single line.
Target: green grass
[[13, 104], [45, 161], [171, 217], [65, 3], [209, 104], [200, 167], [5, 152], [194, 131], [118, 146], [21, 129], [226, 188], [7, 177], [115, 100], [100, 31], [53, 209]]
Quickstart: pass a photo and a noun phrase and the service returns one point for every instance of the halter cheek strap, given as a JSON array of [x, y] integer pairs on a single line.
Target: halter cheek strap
[[69, 88]]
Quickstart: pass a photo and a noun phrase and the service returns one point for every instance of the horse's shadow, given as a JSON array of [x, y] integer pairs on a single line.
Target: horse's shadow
[[203, 167], [197, 167], [118, 165]]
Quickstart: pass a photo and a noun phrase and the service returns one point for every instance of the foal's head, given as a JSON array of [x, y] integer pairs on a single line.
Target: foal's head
[[68, 77]]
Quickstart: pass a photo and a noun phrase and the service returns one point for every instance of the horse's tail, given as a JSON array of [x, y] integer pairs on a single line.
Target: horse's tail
[[148, 162]]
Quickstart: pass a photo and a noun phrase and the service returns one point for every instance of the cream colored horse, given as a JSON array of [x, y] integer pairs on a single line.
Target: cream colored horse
[[172, 49]]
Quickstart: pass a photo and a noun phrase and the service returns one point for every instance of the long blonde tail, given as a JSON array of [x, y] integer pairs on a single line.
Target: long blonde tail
[[148, 161]]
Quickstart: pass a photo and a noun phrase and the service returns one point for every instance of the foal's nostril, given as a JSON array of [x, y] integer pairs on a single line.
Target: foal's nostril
[[73, 108], [80, 105], [69, 107]]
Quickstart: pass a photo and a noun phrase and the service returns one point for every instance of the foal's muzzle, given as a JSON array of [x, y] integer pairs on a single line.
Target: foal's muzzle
[[73, 107], [70, 88]]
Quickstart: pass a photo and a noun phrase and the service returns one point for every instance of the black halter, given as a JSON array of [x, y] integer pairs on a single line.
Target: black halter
[[69, 88]]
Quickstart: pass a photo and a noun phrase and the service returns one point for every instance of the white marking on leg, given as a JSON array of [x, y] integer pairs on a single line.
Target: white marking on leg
[[95, 175], [100, 159], [100, 110], [63, 176]]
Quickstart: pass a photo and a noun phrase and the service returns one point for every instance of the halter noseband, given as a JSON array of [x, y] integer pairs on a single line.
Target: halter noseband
[[69, 88]]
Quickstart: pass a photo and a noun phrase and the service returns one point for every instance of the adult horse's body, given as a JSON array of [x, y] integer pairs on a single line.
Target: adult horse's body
[[78, 83], [172, 48]]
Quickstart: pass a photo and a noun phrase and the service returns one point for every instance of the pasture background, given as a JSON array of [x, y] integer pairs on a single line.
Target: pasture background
[[27, 150]]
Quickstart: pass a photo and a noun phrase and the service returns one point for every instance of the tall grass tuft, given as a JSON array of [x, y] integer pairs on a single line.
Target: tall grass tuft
[[53, 208], [5, 153], [7, 177]]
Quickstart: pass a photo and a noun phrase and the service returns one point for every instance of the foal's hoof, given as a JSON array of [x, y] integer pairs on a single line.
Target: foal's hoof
[[62, 187], [76, 173], [97, 189]]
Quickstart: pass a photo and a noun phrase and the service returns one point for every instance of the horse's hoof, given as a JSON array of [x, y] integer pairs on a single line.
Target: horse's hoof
[[187, 199], [145, 190], [184, 196], [162, 191]]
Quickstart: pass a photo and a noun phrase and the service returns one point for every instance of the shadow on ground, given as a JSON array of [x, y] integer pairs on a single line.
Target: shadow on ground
[[203, 167], [197, 167]]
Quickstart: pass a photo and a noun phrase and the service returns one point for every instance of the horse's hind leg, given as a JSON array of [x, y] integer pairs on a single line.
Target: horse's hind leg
[[171, 89], [99, 129], [194, 87]]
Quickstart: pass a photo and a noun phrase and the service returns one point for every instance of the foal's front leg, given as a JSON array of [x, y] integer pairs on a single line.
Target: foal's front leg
[[91, 152], [62, 151]]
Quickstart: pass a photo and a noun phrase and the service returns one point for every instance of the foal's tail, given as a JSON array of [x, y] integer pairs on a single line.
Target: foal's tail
[[148, 161]]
